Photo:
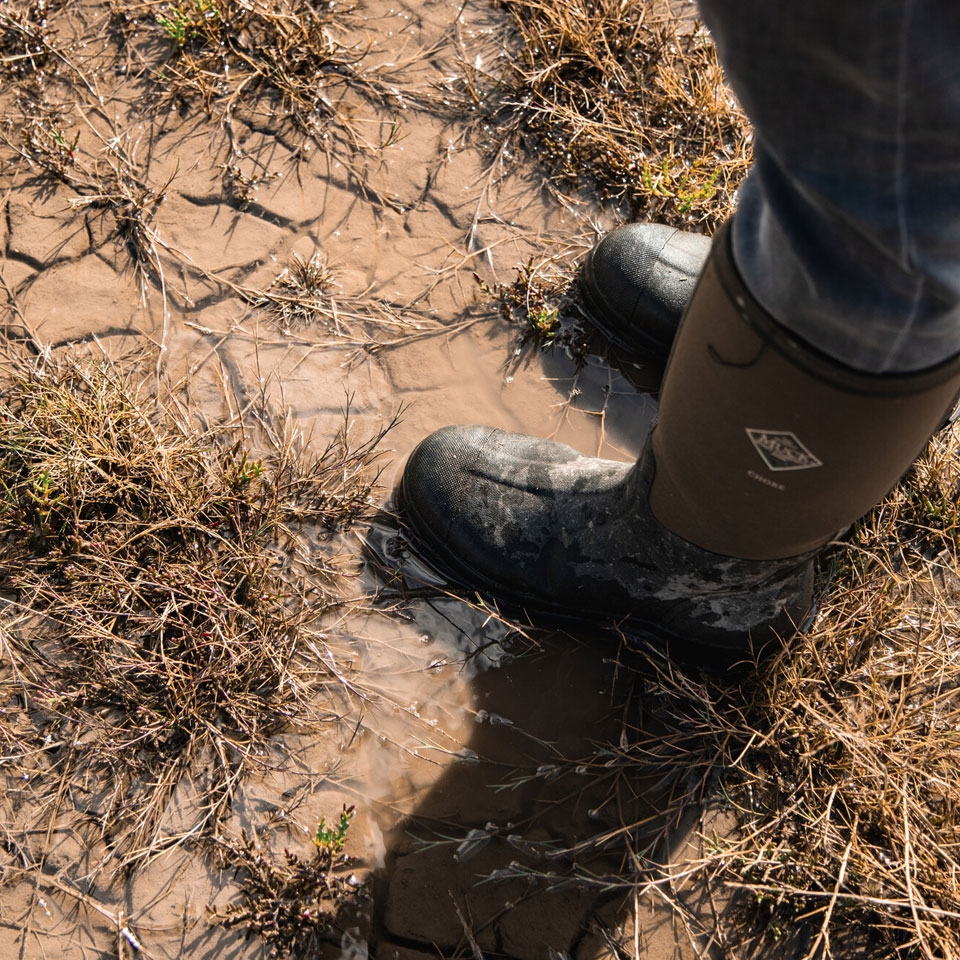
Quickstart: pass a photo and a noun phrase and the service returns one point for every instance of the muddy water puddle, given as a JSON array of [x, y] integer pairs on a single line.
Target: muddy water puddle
[[475, 752], [483, 767]]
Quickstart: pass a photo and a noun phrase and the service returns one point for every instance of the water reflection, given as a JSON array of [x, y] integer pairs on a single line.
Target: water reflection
[[508, 815]]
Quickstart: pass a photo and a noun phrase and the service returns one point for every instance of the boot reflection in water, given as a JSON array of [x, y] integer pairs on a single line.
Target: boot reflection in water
[[765, 448]]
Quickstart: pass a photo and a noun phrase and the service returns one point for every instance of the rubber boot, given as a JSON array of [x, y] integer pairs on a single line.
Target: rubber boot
[[764, 450], [636, 284]]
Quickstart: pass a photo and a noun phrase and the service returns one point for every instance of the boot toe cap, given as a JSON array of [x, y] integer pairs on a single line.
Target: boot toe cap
[[636, 283], [434, 481]]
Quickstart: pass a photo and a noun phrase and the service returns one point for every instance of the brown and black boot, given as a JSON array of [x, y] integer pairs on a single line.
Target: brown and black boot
[[764, 449]]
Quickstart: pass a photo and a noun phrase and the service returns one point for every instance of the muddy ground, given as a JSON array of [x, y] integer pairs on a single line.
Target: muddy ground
[[474, 754]]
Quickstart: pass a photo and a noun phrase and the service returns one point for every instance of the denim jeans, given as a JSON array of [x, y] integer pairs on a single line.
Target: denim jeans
[[847, 228]]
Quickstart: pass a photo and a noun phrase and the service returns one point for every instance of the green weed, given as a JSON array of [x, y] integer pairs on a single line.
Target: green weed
[[183, 23], [332, 838]]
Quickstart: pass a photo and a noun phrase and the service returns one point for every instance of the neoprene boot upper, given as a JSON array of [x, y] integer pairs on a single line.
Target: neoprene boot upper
[[795, 445]]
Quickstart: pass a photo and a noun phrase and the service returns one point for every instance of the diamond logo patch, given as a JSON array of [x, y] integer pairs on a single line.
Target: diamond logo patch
[[782, 450]]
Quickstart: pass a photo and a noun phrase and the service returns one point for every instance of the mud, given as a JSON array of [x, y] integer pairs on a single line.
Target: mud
[[491, 810]]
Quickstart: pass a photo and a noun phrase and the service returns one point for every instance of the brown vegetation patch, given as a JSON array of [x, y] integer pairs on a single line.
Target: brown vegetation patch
[[614, 97], [162, 584], [226, 55], [26, 40], [292, 903]]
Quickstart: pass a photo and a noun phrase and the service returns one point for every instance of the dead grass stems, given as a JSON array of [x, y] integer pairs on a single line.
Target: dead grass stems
[[237, 59], [50, 131], [106, 182], [31, 54], [26, 41], [273, 68], [305, 304], [614, 97], [161, 590], [294, 904]]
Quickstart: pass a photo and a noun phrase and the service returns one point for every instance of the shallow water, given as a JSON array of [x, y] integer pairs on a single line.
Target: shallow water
[[469, 746]]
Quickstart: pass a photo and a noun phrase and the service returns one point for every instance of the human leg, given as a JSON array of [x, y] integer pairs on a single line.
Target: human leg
[[848, 226]]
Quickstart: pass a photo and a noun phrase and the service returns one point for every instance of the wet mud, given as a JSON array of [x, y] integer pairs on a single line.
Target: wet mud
[[493, 817]]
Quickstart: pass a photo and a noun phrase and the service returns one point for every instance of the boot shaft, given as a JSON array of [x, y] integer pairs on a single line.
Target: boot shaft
[[766, 448]]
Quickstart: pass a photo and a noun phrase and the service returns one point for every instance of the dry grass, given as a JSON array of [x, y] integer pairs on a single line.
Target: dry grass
[[233, 56], [223, 53], [613, 96], [161, 589], [838, 757], [300, 294], [849, 789], [109, 184], [26, 41]]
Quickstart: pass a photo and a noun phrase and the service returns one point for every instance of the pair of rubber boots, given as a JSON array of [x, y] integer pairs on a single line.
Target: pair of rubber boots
[[763, 451]]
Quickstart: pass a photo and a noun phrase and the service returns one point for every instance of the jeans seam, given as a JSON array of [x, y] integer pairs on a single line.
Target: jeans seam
[[900, 186]]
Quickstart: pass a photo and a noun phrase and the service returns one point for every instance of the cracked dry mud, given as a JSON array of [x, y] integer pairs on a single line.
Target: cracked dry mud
[[465, 755]]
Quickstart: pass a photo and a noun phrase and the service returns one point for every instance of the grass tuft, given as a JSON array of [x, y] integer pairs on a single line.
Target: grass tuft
[[161, 585], [300, 293], [293, 903], [227, 53], [608, 95], [27, 41]]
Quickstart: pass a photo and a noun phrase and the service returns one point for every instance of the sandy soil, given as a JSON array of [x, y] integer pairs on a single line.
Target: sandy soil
[[465, 756]]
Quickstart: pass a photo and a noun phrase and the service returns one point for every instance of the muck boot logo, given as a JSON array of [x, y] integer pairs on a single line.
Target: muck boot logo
[[782, 450]]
